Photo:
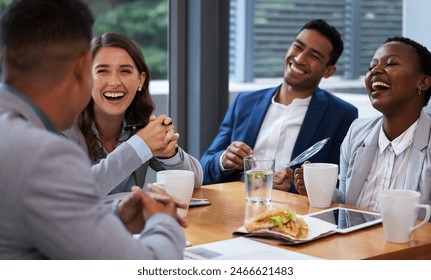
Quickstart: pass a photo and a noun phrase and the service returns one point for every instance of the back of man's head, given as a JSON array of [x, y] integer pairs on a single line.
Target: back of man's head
[[329, 32], [37, 35]]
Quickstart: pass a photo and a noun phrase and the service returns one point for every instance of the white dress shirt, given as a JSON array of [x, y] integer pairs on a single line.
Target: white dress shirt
[[279, 130], [389, 166]]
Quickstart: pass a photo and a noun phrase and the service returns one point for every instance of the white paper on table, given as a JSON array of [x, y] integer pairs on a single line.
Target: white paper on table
[[241, 248], [316, 229]]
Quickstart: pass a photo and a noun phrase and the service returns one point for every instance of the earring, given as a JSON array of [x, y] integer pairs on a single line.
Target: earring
[[139, 88], [419, 91]]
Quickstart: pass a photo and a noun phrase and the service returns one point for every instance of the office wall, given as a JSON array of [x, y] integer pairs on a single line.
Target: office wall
[[416, 22]]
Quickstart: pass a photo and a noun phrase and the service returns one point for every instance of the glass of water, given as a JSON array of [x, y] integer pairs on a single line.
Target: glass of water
[[258, 178]]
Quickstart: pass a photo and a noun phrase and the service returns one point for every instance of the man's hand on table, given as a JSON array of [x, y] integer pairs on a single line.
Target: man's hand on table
[[140, 206]]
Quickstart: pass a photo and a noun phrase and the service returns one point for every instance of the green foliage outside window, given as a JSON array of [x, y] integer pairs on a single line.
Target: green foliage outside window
[[146, 21]]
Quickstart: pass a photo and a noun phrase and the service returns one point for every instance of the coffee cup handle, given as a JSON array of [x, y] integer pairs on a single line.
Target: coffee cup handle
[[427, 216]]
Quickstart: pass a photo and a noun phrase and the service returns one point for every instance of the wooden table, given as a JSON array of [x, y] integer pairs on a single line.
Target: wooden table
[[227, 212]]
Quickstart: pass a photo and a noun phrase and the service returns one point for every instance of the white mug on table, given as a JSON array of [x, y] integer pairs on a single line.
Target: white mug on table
[[399, 210], [320, 181], [179, 184]]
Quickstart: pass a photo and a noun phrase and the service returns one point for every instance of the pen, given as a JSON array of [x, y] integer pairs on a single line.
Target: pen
[[138, 126], [134, 126]]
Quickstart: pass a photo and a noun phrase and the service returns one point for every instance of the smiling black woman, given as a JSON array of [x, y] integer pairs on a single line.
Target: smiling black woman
[[391, 151]]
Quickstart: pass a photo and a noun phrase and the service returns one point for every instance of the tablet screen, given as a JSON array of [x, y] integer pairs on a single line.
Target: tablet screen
[[346, 219]]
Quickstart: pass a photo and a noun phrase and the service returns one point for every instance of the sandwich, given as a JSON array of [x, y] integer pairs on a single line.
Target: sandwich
[[281, 220]]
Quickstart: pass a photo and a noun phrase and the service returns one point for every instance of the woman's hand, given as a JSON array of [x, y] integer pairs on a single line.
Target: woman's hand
[[159, 134], [299, 180], [171, 148]]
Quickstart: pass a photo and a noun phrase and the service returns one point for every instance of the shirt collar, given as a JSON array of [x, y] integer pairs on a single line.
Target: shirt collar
[[399, 144], [124, 136], [296, 101]]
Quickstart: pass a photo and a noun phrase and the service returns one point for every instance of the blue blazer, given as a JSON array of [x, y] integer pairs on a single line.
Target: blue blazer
[[327, 116]]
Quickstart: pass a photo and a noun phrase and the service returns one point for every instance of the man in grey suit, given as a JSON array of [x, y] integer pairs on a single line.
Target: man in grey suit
[[49, 203]]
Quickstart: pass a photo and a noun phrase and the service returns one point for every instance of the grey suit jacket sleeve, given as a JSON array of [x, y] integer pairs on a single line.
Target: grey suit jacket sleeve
[[124, 160], [112, 170], [117, 166], [356, 155], [64, 217], [339, 195]]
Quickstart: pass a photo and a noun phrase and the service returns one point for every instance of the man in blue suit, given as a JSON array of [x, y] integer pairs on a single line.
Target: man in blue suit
[[284, 121]]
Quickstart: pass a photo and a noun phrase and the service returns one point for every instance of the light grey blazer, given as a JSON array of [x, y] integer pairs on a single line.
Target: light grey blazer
[[50, 207], [357, 154], [124, 161]]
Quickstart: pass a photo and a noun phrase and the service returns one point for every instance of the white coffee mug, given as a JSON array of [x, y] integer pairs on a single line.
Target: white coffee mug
[[399, 209], [179, 184], [320, 181]]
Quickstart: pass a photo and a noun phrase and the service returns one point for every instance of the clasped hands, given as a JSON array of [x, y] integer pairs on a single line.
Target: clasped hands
[[136, 209], [160, 136]]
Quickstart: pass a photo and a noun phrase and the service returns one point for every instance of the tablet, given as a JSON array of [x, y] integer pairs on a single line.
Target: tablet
[[346, 219]]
